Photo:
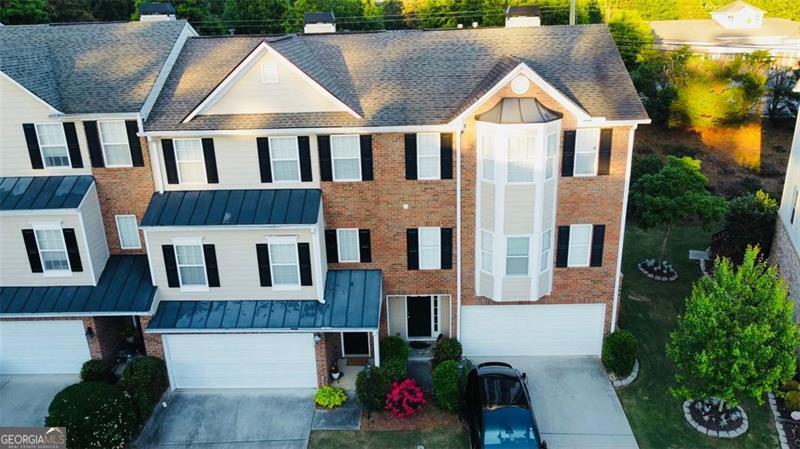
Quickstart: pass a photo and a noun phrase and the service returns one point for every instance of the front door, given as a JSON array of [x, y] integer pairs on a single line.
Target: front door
[[355, 344], [419, 316]]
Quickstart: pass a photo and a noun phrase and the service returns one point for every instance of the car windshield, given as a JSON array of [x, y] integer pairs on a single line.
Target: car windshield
[[509, 428], [503, 391]]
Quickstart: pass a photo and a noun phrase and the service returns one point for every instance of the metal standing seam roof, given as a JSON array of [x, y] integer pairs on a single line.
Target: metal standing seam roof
[[519, 110], [233, 207], [352, 301], [124, 288], [43, 192]]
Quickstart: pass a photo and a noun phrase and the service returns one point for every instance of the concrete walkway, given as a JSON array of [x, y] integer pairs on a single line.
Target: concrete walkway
[[575, 405], [25, 399], [346, 417]]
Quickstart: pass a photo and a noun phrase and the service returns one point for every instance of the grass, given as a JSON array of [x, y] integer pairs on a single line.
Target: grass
[[444, 438], [650, 310]]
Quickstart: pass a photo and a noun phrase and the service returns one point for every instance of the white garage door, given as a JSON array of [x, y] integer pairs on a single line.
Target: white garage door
[[42, 347], [526, 330], [241, 360]]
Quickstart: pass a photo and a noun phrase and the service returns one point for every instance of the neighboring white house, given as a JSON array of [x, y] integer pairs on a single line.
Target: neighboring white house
[[733, 29]]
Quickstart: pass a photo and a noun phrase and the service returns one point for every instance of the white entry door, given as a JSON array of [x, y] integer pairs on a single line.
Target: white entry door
[[241, 360], [42, 347], [532, 330]]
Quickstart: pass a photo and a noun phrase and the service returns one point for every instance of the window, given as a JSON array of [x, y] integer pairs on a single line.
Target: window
[[520, 158], [284, 264], [190, 161], [428, 156], [795, 205], [52, 250], [53, 144], [269, 73], [128, 232], [580, 242], [347, 242], [191, 267], [285, 159], [517, 256], [550, 161], [435, 318], [114, 140], [346, 155], [488, 158], [430, 251], [487, 252], [544, 263], [586, 144]]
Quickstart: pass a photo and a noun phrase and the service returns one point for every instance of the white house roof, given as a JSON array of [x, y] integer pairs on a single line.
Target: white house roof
[[736, 6], [774, 32]]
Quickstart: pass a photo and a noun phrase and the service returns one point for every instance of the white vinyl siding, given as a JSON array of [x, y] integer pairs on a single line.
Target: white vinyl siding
[[550, 160], [521, 151], [285, 159], [348, 245], [517, 249], [53, 251], [488, 158], [128, 232], [284, 265], [586, 151], [487, 252], [190, 161], [580, 242], [428, 156], [53, 145], [346, 158], [114, 140], [191, 267], [430, 248]]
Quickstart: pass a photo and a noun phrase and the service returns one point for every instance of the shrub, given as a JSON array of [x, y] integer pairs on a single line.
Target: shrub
[[750, 220], [648, 164], [446, 349], [396, 368], [96, 415], [620, 349], [446, 388], [405, 399], [792, 400], [393, 347], [330, 397], [792, 385], [372, 384], [145, 378], [96, 371]]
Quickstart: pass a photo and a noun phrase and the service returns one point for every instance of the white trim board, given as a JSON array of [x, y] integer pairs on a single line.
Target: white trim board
[[36, 97]]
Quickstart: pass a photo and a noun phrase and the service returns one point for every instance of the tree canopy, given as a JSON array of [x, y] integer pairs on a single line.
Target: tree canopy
[[750, 220]]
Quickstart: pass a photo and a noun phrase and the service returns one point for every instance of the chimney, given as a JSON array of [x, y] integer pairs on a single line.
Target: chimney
[[523, 16], [319, 22], [152, 12]]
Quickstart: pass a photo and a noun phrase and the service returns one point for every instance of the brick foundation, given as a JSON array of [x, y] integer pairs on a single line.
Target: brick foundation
[[787, 260]]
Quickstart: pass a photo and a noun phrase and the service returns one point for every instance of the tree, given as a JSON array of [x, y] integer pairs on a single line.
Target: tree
[[782, 100], [750, 220], [244, 15], [673, 195], [20, 12], [346, 12], [738, 336], [631, 34], [70, 11]]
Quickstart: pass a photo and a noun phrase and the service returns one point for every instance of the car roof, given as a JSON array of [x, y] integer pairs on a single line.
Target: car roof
[[497, 369]]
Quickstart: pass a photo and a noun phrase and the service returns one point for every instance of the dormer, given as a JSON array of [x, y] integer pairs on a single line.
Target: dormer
[[738, 15]]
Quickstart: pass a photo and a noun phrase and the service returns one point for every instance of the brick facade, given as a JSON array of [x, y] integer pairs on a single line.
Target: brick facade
[[153, 345], [787, 260]]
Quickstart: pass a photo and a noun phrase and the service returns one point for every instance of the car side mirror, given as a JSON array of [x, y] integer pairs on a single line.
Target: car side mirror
[[525, 379], [544, 445]]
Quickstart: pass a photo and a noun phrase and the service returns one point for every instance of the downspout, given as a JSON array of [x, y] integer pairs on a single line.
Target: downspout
[[615, 303], [459, 132]]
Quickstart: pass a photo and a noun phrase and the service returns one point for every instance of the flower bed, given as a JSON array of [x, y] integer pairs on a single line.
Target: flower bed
[[430, 418], [706, 417], [659, 271], [788, 428]]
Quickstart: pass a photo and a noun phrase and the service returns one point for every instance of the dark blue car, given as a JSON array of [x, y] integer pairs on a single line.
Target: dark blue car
[[497, 409]]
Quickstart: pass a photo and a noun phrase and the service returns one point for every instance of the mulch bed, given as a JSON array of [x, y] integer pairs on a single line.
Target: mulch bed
[[431, 418], [790, 426], [710, 417]]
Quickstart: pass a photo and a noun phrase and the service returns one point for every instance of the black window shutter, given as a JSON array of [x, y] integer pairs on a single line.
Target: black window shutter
[[411, 156], [364, 246], [211, 161], [72, 144], [264, 273], [568, 154], [29, 129], [562, 246], [93, 141], [325, 163], [604, 156], [331, 246], [366, 157], [304, 152], [169, 161], [304, 257], [131, 127], [446, 155], [447, 248], [264, 161], [412, 245], [170, 265], [598, 238], [212, 270], [72, 250], [33, 250]]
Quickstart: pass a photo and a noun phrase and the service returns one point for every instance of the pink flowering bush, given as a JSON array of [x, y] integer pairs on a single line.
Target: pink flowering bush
[[404, 399]]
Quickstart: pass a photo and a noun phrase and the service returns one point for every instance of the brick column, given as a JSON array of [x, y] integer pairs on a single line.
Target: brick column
[[322, 353], [152, 342]]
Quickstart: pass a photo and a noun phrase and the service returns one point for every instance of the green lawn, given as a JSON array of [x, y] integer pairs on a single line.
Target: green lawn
[[432, 439], [649, 310]]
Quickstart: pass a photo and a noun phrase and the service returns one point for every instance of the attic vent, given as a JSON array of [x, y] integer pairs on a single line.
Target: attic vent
[[523, 16], [319, 22], [269, 73]]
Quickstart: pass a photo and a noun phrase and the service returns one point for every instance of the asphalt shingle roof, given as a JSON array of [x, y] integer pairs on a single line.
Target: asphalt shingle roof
[[43, 192], [409, 77], [88, 68]]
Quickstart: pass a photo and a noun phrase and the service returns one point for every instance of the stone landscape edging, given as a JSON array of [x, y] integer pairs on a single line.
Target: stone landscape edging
[[715, 433], [776, 418], [622, 383]]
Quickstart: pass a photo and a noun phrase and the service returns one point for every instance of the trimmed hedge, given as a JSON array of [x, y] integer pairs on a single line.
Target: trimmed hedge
[[372, 385], [97, 415], [396, 369], [446, 349], [145, 378], [393, 347], [97, 371], [446, 386], [620, 349]]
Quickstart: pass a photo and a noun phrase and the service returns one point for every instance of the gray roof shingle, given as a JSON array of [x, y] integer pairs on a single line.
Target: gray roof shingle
[[409, 77], [88, 68]]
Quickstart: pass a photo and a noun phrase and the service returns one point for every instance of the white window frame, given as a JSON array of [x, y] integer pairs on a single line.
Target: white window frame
[[429, 266], [527, 257], [190, 241], [595, 151], [488, 155], [437, 156], [334, 138], [339, 232], [550, 159], [436, 310], [546, 258], [273, 159], [510, 162], [269, 73], [369, 344], [103, 144], [119, 231], [52, 226], [41, 146], [178, 162], [795, 206], [487, 255], [587, 245], [284, 240]]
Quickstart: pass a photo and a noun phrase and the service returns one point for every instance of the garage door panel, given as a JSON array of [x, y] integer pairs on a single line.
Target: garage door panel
[[525, 330], [42, 347], [241, 360]]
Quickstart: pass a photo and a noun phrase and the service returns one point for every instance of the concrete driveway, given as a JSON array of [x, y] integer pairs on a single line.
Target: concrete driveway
[[24, 399], [574, 403], [235, 419]]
